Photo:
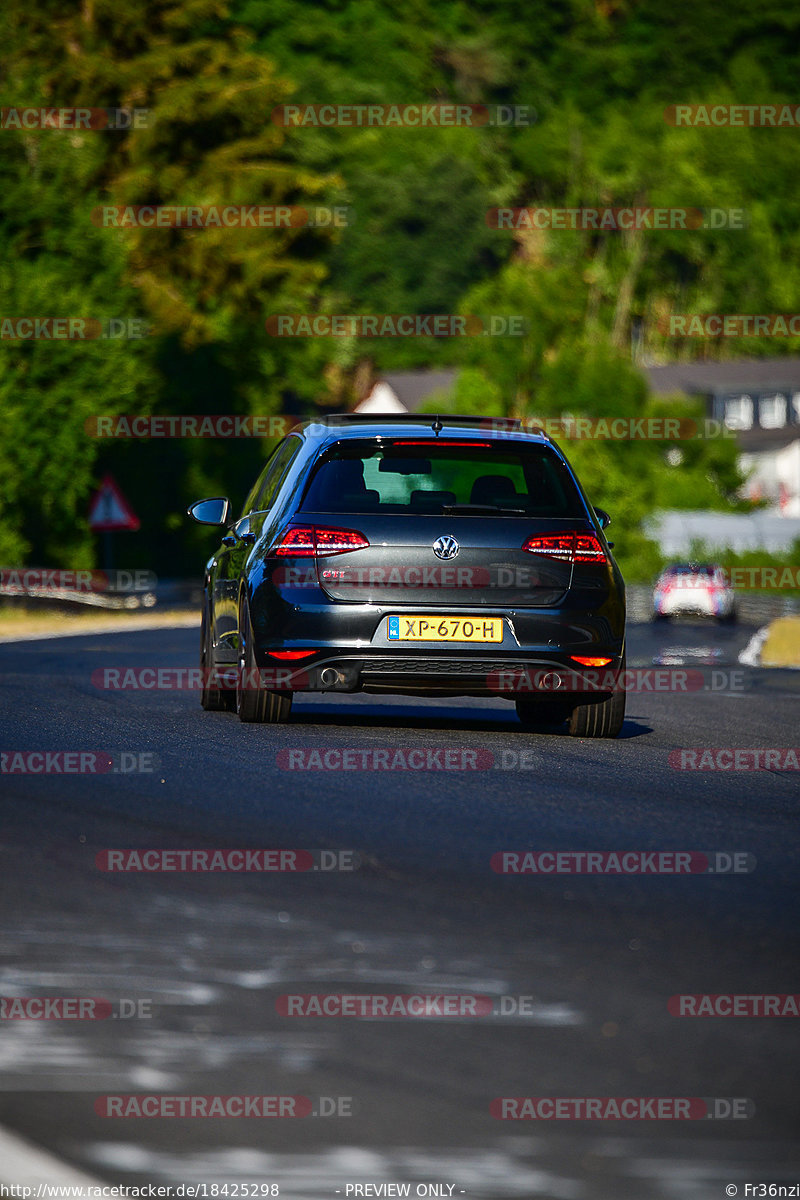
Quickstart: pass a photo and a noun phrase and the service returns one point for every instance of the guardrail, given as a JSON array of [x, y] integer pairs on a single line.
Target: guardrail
[[752, 608], [164, 593]]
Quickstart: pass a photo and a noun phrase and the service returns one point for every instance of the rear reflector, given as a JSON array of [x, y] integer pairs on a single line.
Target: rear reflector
[[290, 655], [591, 662], [571, 547], [310, 541]]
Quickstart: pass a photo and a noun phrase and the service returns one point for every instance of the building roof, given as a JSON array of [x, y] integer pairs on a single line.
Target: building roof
[[700, 378], [759, 441]]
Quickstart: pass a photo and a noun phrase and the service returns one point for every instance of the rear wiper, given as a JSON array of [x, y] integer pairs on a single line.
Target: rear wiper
[[483, 508]]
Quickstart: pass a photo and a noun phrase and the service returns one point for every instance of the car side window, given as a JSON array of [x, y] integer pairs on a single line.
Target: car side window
[[250, 504], [256, 488], [270, 479]]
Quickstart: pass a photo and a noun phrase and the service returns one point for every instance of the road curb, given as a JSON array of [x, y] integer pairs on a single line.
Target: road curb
[[751, 655], [26, 1164]]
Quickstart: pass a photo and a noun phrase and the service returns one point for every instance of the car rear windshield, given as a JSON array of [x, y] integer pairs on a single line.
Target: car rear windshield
[[407, 476]]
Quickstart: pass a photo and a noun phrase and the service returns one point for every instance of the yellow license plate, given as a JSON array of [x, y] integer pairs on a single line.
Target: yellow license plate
[[444, 629]]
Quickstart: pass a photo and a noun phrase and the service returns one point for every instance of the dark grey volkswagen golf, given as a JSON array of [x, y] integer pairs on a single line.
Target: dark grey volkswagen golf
[[425, 556]]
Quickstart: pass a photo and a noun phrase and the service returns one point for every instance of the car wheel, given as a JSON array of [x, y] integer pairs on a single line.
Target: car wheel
[[604, 719], [254, 703], [212, 698], [533, 713]]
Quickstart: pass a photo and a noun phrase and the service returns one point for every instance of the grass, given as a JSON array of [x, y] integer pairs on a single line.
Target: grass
[[15, 620]]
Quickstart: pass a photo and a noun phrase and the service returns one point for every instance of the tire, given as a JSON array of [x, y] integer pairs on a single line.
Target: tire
[[254, 703], [213, 699], [603, 719], [534, 713]]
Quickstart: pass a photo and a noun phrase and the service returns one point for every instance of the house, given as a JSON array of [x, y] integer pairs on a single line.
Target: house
[[405, 391], [759, 399]]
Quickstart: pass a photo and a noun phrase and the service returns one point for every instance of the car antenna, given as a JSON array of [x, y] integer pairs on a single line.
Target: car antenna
[[437, 425]]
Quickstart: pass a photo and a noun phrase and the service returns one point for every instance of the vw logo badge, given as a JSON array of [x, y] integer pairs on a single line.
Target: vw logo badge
[[446, 547]]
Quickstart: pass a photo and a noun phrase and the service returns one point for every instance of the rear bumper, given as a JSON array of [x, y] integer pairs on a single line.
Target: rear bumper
[[351, 650], [541, 677], [577, 626], [694, 604]]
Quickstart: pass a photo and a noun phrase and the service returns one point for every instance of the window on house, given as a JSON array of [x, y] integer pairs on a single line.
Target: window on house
[[772, 411], [739, 412]]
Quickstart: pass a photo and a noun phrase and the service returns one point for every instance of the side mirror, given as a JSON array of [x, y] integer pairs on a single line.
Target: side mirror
[[602, 517], [210, 512]]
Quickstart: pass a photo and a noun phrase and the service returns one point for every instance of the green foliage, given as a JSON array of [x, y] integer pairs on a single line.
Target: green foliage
[[55, 265], [474, 393], [599, 73]]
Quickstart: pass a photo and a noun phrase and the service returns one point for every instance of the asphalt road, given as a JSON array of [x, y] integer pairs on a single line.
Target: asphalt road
[[595, 957]]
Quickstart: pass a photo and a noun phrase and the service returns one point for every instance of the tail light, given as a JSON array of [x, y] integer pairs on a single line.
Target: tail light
[[571, 547], [311, 541], [591, 662]]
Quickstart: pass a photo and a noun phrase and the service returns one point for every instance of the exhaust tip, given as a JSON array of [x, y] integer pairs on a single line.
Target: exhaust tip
[[552, 681]]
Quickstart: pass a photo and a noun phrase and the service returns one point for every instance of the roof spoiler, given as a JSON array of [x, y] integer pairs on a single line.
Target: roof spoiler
[[436, 421]]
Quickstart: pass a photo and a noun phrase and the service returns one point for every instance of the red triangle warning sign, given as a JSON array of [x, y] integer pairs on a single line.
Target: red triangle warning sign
[[108, 508]]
